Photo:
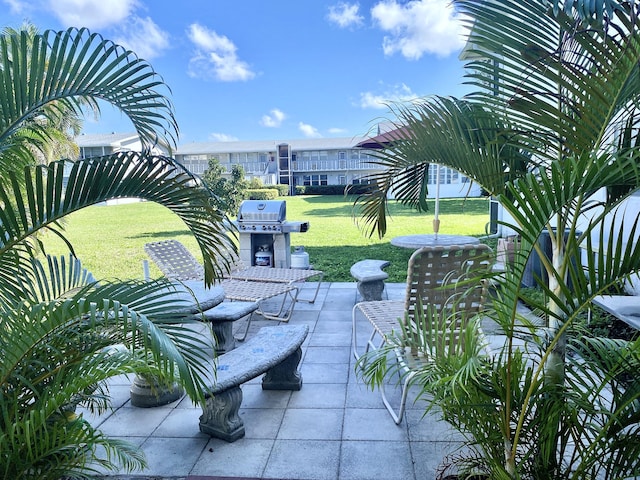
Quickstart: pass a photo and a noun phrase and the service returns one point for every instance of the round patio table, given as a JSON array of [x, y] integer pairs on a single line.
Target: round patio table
[[430, 240]]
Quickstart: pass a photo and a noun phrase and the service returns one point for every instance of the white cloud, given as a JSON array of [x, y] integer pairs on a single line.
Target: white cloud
[[345, 14], [397, 93], [273, 119], [138, 34], [216, 57], [419, 27], [337, 131], [222, 137], [144, 37], [93, 14], [16, 6], [308, 130]]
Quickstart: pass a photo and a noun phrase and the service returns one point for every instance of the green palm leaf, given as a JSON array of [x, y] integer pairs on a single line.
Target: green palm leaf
[[62, 334], [57, 353], [67, 72], [47, 200]]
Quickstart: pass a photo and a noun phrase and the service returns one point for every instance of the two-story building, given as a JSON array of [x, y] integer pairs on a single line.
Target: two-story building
[[316, 161], [309, 161], [98, 144]]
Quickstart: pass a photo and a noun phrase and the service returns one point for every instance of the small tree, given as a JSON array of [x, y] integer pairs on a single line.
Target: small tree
[[553, 121], [229, 192], [61, 332]]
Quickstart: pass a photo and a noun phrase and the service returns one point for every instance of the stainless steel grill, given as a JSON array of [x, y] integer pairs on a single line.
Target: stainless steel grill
[[269, 216], [263, 229], [262, 215]]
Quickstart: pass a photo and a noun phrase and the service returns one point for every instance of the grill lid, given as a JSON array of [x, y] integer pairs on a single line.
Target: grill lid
[[262, 211]]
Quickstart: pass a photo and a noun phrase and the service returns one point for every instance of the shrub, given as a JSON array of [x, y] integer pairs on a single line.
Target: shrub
[[262, 193], [283, 190], [255, 183], [320, 189], [229, 192]]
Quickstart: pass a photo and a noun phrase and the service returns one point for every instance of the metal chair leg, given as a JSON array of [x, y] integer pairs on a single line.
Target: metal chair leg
[[246, 329]]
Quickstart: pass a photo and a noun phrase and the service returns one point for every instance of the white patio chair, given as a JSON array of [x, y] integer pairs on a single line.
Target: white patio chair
[[177, 263], [438, 278]]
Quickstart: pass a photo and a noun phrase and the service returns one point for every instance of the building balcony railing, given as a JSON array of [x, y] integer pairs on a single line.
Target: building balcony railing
[[331, 165], [303, 166]]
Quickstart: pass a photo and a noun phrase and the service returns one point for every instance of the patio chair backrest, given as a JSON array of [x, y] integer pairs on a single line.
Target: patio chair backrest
[[177, 263], [448, 278], [174, 260]]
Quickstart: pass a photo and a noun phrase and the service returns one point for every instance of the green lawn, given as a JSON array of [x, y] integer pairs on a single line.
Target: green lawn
[[110, 239]]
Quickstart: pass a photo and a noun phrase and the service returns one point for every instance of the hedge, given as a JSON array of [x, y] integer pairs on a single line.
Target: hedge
[[283, 190], [331, 189], [262, 193]]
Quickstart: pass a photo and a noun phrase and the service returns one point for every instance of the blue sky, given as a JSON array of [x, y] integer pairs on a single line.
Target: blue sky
[[272, 69]]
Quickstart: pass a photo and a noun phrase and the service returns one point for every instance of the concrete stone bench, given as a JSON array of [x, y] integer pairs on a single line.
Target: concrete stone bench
[[370, 277], [275, 351]]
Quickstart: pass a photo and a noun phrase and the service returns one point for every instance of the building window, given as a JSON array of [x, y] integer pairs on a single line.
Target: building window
[[360, 181], [314, 180], [89, 152]]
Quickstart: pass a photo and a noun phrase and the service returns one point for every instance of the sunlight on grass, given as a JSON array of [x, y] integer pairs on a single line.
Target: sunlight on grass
[[110, 239]]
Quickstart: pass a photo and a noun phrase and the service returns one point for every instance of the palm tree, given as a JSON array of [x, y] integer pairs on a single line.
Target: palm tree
[[62, 333], [553, 121], [60, 124]]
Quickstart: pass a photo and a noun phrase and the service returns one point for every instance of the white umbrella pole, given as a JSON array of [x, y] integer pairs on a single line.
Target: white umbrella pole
[[436, 220]]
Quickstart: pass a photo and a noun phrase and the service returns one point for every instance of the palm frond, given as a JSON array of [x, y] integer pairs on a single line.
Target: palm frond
[[47, 199], [76, 65], [58, 353], [608, 396], [562, 82], [448, 131]]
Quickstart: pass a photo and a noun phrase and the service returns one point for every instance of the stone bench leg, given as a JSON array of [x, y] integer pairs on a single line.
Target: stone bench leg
[[220, 415], [285, 375], [371, 291], [223, 333]]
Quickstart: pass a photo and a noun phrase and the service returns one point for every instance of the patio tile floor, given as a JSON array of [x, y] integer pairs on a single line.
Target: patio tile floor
[[335, 428]]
